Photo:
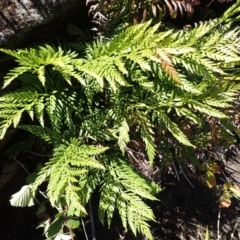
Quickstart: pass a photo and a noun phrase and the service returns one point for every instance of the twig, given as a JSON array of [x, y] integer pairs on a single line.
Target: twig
[[218, 224], [232, 234], [37, 154], [121, 237], [21, 165], [175, 169], [84, 229], [194, 224], [177, 157], [186, 176], [44, 195]]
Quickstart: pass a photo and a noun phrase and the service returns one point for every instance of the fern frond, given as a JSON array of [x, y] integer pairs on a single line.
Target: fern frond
[[123, 138], [46, 134], [188, 114], [12, 107], [36, 60], [206, 109], [64, 181], [39, 110], [88, 184], [15, 73], [147, 136], [119, 191], [174, 129], [73, 199]]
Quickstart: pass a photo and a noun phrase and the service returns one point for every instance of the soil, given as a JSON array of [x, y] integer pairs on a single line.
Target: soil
[[17, 223], [183, 212]]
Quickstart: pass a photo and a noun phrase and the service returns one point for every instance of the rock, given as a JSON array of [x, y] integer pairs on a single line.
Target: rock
[[18, 17]]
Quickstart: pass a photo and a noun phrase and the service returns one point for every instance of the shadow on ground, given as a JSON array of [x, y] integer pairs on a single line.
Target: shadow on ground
[[183, 213]]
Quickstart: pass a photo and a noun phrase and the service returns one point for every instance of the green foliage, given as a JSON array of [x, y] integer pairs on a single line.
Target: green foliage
[[69, 163], [107, 110], [42, 57], [118, 190]]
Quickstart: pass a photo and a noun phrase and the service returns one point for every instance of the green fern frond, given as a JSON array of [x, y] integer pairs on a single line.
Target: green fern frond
[[119, 191], [15, 73], [35, 61], [73, 199], [12, 107], [206, 109], [46, 134], [137, 220], [39, 110], [174, 129], [123, 138], [69, 162], [188, 114], [217, 103], [231, 12], [147, 136]]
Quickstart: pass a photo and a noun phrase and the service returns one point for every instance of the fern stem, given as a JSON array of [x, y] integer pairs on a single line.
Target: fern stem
[[46, 197], [37, 154], [91, 220], [21, 165], [175, 169], [218, 224], [186, 176], [180, 166]]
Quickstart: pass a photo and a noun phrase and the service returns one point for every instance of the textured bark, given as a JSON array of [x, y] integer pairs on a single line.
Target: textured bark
[[20, 16]]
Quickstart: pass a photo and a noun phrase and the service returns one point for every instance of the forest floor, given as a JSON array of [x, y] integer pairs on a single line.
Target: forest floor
[[183, 213]]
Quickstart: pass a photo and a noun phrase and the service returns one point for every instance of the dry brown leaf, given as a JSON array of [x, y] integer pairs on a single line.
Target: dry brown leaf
[[224, 203], [235, 191]]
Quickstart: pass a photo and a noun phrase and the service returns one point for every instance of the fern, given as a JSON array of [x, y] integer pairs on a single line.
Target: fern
[[148, 88], [69, 162], [36, 60], [46, 134], [12, 106], [114, 11], [120, 192], [123, 138], [139, 47], [74, 173]]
